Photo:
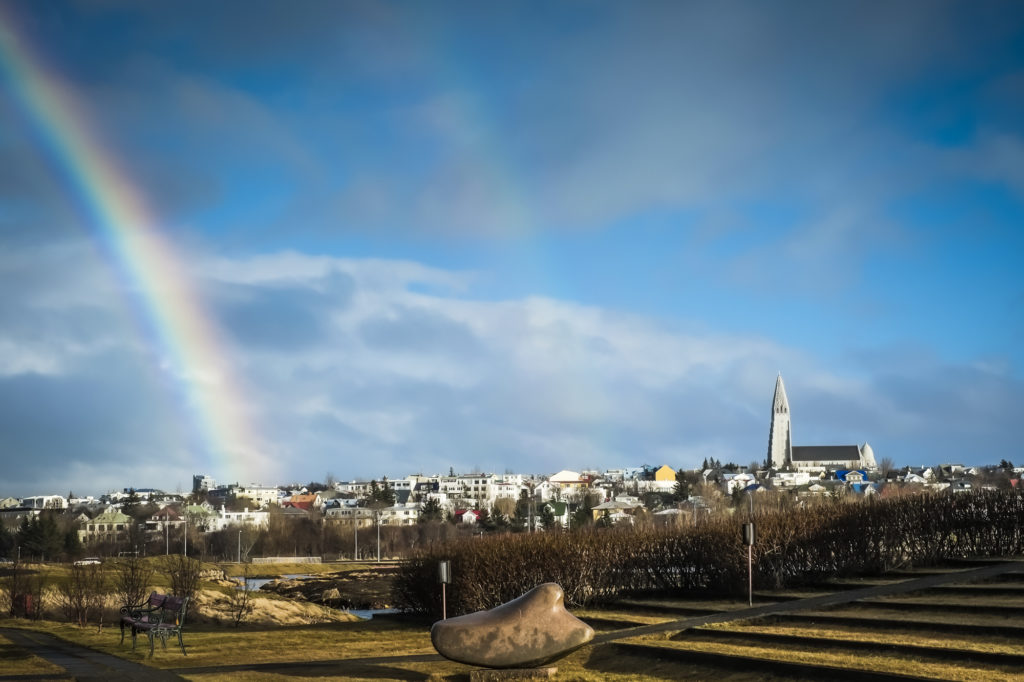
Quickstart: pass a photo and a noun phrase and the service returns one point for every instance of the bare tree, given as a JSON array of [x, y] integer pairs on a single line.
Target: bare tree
[[505, 506], [132, 578], [183, 574], [81, 597], [239, 602], [885, 466]]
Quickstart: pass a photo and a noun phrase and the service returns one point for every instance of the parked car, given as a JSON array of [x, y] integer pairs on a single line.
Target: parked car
[[5, 562], [89, 561]]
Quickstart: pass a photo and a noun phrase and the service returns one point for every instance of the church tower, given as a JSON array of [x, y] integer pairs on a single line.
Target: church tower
[[780, 437]]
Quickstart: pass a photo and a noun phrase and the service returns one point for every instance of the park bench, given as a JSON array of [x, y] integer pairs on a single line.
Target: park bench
[[162, 615]]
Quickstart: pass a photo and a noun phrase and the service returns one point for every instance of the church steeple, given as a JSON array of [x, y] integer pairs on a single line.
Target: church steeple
[[780, 437]]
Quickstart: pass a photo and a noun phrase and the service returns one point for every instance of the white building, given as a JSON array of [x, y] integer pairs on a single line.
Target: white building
[[731, 482], [44, 502], [479, 489], [260, 495], [353, 487], [790, 479], [810, 458], [201, 483], [225, 519], [361, 516], [400, 515]]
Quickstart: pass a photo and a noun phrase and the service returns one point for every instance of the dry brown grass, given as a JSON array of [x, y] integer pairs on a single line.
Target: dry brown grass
[[373, 650], [268, 610], [880, 612], [946, 670], [980, 600], [622, 615], [268, 570], [988, 644]]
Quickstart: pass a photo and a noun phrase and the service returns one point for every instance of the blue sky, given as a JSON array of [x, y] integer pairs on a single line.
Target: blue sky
[[528, 236]]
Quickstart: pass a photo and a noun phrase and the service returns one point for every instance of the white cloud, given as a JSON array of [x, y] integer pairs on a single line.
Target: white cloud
[[401, 380]]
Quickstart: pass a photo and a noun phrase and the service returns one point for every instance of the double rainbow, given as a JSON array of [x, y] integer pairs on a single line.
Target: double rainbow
[[186, 341]]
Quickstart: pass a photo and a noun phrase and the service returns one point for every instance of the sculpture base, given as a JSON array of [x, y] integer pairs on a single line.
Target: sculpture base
[[500, 674]]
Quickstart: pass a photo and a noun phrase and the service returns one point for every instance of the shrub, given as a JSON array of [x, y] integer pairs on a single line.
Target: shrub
[[793, 546], [238, 604], [82, 595], [183, 574]]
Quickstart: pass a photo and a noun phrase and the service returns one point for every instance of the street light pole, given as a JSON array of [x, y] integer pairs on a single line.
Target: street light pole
[[355, 528], [239, 546], [378, 537]]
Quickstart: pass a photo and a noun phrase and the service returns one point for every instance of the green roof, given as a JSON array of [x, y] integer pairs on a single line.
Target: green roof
[[112, 516]]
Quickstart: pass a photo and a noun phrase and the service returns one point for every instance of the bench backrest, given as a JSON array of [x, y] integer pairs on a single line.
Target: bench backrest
[[175, 607], [156, 600]]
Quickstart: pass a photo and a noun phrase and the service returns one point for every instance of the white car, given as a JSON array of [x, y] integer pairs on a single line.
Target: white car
[[89, 561]]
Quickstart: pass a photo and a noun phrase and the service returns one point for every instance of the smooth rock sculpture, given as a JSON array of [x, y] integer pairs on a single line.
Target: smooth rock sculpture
[[529, 631]]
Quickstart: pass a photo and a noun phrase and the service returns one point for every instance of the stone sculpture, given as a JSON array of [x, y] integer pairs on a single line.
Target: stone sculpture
[[529, 631]]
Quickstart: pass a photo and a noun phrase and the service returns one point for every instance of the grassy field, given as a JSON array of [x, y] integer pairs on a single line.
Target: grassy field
[[400, 649]]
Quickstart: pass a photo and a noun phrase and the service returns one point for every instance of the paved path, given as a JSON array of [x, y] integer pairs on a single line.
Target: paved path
[[814, 603], [79, 662], [335, 666]]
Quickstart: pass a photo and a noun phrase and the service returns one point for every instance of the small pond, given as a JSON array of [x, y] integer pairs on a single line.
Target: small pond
[[368, 614], [257, 583]]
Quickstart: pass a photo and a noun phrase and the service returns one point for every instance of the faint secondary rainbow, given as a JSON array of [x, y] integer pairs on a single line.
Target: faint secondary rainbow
[[127, 232]]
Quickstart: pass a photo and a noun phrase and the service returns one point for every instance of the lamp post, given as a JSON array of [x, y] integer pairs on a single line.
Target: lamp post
[[355, 528], [239, 546], [445, 577], [185, 530], [167, 534], [377, 515], [748, 540]]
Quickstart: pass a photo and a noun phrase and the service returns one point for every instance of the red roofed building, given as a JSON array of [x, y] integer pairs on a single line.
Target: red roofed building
[[311, 502]]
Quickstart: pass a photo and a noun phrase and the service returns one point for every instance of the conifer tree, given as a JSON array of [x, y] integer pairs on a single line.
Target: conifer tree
[[431, 511]]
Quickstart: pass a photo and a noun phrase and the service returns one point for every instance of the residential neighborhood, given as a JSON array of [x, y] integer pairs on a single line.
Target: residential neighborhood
[[330, 517]]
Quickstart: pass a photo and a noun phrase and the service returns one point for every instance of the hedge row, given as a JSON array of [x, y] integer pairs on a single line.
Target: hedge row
[[597, 565]]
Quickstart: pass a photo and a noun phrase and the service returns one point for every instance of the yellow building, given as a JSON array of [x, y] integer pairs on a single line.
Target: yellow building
[[665, 473]]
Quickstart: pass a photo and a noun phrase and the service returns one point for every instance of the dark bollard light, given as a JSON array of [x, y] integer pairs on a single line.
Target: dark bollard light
[[748, 540], [444, 576]]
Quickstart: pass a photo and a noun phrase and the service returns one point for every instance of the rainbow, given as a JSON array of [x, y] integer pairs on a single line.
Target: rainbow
[[187, 343]]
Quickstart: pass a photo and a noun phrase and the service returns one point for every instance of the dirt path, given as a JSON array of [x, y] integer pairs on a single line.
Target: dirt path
[[79, 662]]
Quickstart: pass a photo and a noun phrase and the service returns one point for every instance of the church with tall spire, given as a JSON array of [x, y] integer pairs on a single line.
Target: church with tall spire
[[782, 454], [780, 434]]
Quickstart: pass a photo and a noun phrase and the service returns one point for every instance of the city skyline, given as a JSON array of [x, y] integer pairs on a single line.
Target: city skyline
[[259, 242]]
